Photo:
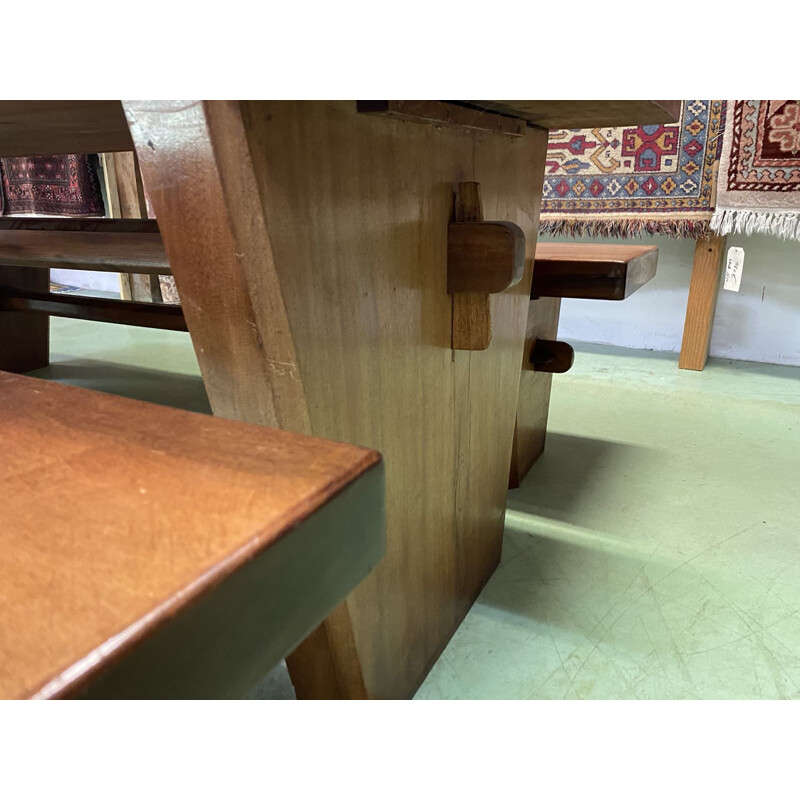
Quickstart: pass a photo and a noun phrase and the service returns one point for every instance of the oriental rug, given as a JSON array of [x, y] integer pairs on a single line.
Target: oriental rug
[[641, 179], [759, 183], [62, 186]]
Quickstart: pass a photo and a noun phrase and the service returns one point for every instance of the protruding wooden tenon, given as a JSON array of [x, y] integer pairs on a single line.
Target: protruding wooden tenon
[[483, 258], [551, 356]]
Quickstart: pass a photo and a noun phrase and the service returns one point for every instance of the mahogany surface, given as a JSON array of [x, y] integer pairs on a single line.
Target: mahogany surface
[[119, 516]]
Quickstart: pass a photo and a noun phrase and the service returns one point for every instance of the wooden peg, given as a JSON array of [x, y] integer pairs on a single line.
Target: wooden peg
[[551, 356], [483, 258]]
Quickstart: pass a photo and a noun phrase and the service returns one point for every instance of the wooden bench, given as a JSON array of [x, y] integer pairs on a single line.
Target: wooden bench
[[592, 271], [29, 247], [565, 269], [152, 552]]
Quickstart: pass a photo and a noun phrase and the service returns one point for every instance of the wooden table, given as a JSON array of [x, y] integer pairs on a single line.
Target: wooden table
[[309, 244], [151, 552]]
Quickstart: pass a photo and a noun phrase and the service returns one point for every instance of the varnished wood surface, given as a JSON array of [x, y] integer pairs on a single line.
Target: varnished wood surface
[[534, 391], [358, 207], [484, 256], [126, 200], [702, 302], [130, 190], [46, 127], [119, 516], [555, 114], [550, 355], [196, 162], [337, 316], [83, 225], [592, 271], [471, 280], [24, 337], [93, 309], [102, 245], [49, 127], [439, 113]]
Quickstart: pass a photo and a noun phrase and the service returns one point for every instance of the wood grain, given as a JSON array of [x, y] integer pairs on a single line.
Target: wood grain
[[358, 207], [472, 279], [472, 321], [50, 127], [130, 190], [127, 201], [24, 337], [555, 114], [25, 302], [439, 113], [484, 257], [195, 160], [592, 271], [534, 391], [46, 127], [118, 516], [702, 302], [346, 241], [102, 245]]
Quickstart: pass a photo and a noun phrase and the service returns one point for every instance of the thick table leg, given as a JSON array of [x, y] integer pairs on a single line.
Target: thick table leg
[[195, 161], [24, 337], [703, 291], [310, 254]]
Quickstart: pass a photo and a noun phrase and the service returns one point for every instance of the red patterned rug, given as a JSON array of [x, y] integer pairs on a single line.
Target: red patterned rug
[[759, 178], [641, 179], [62, 186]]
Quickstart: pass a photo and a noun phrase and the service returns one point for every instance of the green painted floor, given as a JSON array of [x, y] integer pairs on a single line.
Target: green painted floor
[[653, 551], [142, 363]]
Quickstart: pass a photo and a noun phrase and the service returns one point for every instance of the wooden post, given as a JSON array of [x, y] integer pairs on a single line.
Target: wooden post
[[331, 247], [703, 291], [24, 335], [126, 200]]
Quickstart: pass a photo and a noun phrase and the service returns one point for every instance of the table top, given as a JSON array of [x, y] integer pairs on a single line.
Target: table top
[[116, 515], [555, 114], [45, 127]]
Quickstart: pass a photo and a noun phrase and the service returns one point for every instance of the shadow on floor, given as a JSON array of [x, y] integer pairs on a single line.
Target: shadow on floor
[[165, 388], [565, 574], [571, 469]]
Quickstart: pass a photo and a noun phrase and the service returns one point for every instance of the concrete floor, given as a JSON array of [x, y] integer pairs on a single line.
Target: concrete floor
[[652, 552]]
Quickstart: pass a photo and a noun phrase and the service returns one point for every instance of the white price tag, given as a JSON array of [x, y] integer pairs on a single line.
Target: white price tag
[[733, 269]]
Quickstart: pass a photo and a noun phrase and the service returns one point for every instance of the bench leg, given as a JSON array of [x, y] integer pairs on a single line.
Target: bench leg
[[24, 337], [534, 392], [703, 291]]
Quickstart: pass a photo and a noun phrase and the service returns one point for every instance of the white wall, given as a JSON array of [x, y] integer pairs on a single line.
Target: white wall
[[760, 323], [101, 281]]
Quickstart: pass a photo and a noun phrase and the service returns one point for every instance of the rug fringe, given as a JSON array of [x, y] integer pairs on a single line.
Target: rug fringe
[[627, 228], [785, 224]]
